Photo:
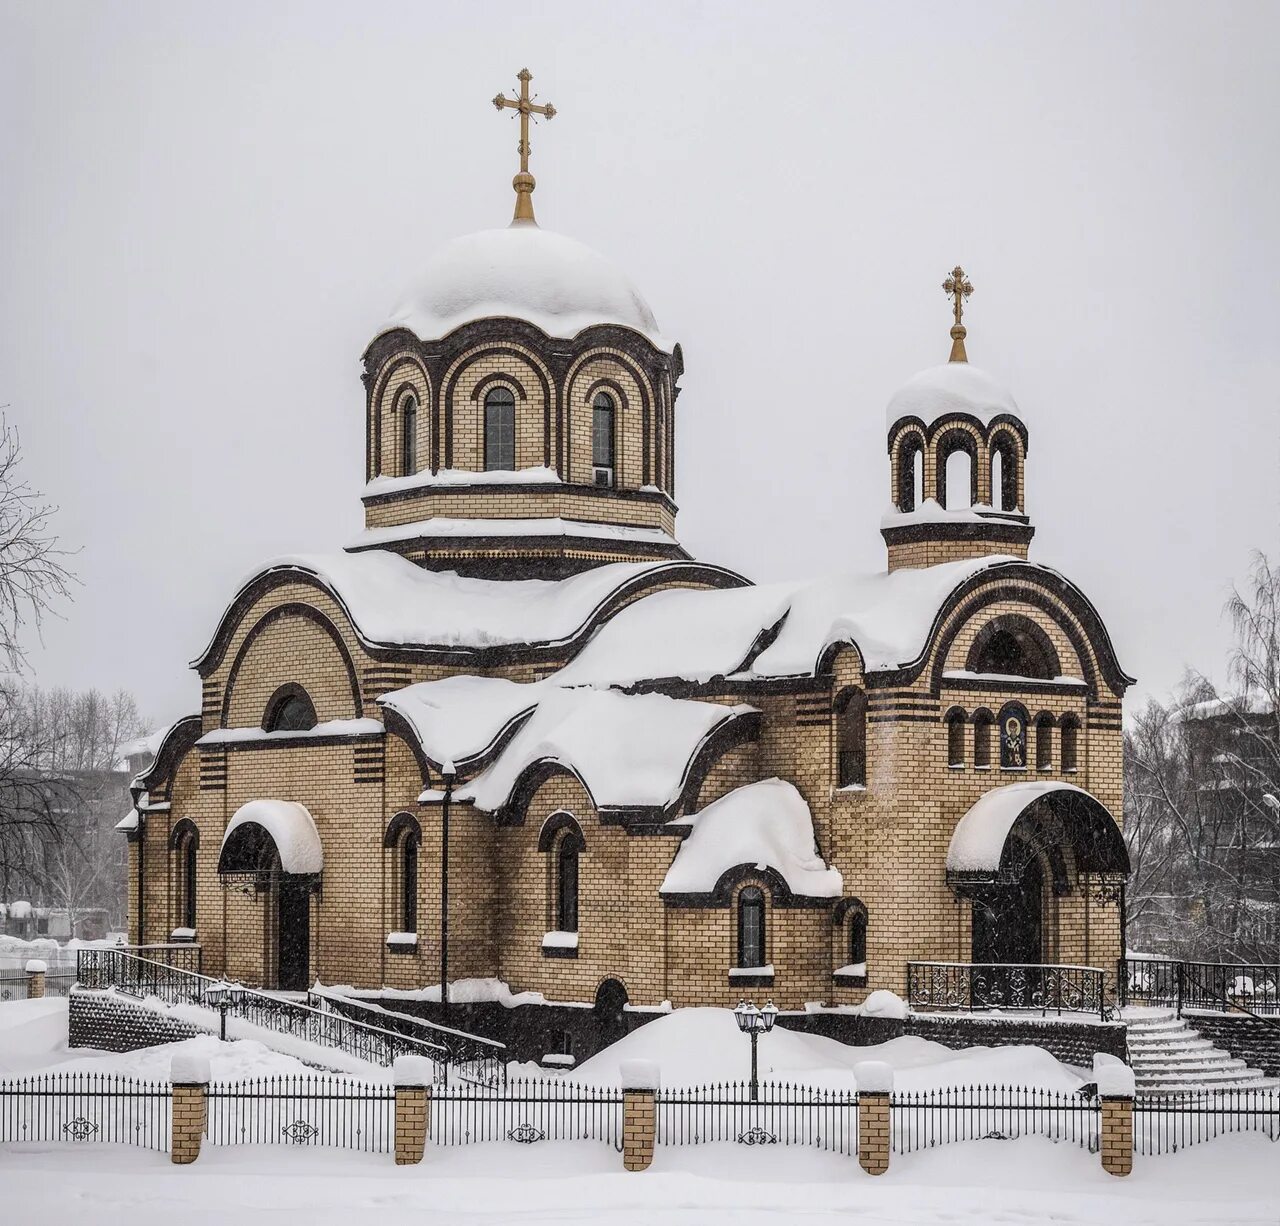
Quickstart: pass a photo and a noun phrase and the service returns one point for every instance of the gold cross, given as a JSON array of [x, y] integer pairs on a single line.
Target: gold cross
[[524, 182], [958, 288]]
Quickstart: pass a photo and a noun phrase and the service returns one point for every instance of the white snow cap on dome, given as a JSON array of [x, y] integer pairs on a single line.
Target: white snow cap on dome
[[523, 272], [953, 387]]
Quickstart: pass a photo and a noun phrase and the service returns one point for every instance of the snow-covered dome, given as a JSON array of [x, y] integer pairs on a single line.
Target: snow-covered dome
[[953, 387], [523, 272]]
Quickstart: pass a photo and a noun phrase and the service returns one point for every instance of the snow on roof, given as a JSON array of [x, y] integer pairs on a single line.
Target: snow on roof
[[766, 824], [931, 511], [697, 635], [522, 272], [391, 600], [629, 750], [1253, 703], [953, 387], [446, 477], [129, 821], [447, 526], [980, 835], [332, 727], [291, 827], [458, 718]]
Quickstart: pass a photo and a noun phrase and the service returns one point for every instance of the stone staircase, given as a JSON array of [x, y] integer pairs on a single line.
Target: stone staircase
[[1169, 1056]]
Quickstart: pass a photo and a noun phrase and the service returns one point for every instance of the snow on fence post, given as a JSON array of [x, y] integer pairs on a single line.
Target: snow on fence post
[[875, 1084], [640, 1081], [190, 1077], [1116, 1088], [35, 978], [413, 1076]]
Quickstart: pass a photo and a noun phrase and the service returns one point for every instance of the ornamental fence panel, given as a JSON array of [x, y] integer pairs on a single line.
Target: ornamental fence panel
[[295, 1109], [1220, 986], [1012, 986], [84, 1107], [13, 987], [527, 1111], [782, 1114], [927, 1118], [1166, 1123]]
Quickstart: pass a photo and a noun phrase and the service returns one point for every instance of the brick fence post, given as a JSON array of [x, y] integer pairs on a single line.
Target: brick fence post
[[640, 1082], [1116, 1088], [35, 978], [190, 1077], [875, 1085], [412, 1076]]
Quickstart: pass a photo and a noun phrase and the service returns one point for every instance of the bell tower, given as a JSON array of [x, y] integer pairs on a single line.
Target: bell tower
[[957, 460]]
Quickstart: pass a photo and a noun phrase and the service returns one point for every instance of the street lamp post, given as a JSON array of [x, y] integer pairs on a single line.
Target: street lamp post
[[448, 773], [755, 1022], [222, 996]]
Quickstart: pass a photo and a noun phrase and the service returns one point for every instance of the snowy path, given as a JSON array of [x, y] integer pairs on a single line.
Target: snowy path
[[1230, 1182]]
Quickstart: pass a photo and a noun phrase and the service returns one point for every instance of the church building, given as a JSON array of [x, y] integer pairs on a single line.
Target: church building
[[640, 777]]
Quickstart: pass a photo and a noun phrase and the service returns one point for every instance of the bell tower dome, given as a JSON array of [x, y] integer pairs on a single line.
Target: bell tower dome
[[957, 457]]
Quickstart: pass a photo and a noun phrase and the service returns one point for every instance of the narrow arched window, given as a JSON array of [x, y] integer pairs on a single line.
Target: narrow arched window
[[997, 486], [982, 724], [955, 737], [186, 866], [956, 474], [499, 429], [1070, 743], [851, 738], [751, 927], [1013, 737], [1044, 742], [409, 436], [290, 710], [858, 939], [409, 881], [602, 440], [567, 883], [1004, 473], [910, 473], [1013, 646]]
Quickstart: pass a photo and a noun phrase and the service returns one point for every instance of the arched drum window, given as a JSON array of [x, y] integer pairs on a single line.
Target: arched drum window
[[499, 429], [751, 927], [290, 710], [409, 436]]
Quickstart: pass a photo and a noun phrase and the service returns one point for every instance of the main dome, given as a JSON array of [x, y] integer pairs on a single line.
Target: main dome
[[944, 391], [523, 272]]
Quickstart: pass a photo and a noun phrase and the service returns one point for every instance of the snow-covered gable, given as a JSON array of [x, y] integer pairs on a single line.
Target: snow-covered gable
[[523, 272], [767, 825], [980, 835], [631, 751], [392, 601], [460, 717], [290, 825]]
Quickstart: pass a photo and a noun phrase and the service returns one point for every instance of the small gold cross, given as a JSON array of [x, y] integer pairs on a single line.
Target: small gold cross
[[524, 182], [957, 287]]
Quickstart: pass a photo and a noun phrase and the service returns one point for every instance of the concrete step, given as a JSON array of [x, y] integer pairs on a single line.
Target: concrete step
[[1181, 1045], [1245, 1078], [1176, 1068]]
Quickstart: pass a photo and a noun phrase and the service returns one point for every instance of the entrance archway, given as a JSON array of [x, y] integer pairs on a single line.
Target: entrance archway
[[1008, 920]]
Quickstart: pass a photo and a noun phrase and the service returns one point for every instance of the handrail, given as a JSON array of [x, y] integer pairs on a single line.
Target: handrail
[[1174, 983], [357, 1002], [1229, 1005]]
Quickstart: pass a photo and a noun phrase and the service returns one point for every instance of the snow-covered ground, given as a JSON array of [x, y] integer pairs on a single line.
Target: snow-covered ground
[[1229, 1181]]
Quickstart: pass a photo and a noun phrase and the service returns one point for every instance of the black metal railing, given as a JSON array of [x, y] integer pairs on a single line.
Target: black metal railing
[[85, 1107], [1222, 986], [924, 1119], [1166, 1123], [1016, 986], [527, 1111], [782, 1114], [17, 987], [302, 1110], [143, 977]]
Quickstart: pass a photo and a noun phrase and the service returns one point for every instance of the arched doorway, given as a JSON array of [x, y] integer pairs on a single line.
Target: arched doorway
[[610, 1011]]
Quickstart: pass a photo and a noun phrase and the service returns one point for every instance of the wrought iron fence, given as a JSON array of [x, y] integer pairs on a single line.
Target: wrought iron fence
[[1166, 1123], [13, 987], [302, 1110], [1027, 987], [471, 1058], [783, 1114], [85, 1107], [527, 1111], [924, 1119], [1220, 986]]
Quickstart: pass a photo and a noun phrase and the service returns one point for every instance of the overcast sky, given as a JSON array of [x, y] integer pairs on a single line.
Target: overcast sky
[[208, 210]]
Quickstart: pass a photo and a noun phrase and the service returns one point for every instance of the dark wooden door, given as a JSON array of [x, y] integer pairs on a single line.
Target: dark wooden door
[[294, 971], [1007, 919]]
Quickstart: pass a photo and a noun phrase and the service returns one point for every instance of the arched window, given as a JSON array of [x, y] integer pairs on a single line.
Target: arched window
[[184, 842], [1013, 737], [910, 472], [602, 439], [290, 710], [499, 429], [982, 723], [851, 738], [567, 881], [955, 737], [858, 938], [409, 881], [1044, 742], [1004, 473], [1070, 743], [1013, 646], [957, 469], [409, 436], [751, 927]]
